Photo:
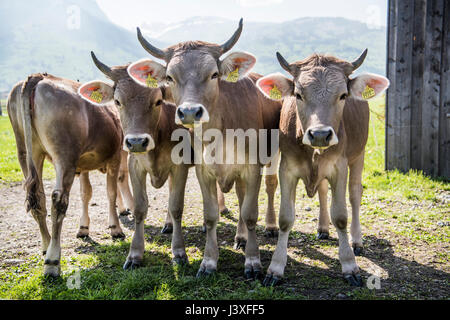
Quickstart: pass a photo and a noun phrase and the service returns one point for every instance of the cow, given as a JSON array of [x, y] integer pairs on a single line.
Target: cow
[[323, 132], [216, 94], [50, 121], [154, 126]]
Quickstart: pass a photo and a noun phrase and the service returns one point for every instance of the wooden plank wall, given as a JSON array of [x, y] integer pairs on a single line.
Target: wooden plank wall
[[418, 102]]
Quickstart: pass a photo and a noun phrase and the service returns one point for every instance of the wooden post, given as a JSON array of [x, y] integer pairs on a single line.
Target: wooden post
[[418, 102], [444, 125]]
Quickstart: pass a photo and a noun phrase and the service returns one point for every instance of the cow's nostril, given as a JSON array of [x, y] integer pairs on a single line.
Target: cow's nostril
[[199, 114], [127, 142], [180, 114], [310, 135], [329, 136], [145, 143]]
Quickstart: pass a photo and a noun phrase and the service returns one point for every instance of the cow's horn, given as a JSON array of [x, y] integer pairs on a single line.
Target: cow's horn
[[101, 66], [232, 41], [358, 62], [284, 64], [154, 51]]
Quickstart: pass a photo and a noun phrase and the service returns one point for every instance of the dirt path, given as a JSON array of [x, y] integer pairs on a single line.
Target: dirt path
[[407, 267]]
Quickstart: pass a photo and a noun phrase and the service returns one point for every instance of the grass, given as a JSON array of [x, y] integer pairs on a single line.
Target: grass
[[399, 215]]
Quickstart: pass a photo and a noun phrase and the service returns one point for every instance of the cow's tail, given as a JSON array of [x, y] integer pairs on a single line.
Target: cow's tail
[[32, 180]]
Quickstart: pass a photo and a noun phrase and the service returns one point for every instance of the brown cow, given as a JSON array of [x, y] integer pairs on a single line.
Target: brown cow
[[51, 121], [148, 123], [324, 128], [218, 95]]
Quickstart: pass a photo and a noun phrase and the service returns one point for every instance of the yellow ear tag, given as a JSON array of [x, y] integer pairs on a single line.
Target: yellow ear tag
[[275, 93], [233, 76], [96, 96], [151, 82], [368, 93]]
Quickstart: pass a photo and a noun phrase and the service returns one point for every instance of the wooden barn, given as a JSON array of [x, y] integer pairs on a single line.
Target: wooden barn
[[418, 100]]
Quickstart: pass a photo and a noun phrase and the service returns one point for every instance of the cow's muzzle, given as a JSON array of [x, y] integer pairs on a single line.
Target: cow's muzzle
[[141, 143], [189, 114], [320, 137]]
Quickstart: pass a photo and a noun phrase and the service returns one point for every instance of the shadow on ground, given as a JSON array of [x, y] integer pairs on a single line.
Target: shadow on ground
[[313, 271]]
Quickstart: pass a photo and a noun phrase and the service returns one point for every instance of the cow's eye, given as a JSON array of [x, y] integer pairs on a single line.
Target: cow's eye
[[215, 75], [117, 102], [158, 103], [299, 97], [343, 97], [169, 79]]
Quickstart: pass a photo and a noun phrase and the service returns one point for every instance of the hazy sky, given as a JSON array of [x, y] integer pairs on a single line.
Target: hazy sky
[[135, 12]]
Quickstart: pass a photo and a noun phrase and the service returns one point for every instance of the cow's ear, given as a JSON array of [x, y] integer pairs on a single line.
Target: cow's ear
[[236, 65], [276, 86], [97, 92], [147, 73], [368, 85]]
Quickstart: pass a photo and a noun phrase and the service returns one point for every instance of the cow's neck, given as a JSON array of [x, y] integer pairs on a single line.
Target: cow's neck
[[320, 162]]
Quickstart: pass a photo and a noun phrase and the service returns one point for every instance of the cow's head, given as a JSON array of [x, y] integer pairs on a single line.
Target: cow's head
[[193, 73], [139, 107], [321, 86]]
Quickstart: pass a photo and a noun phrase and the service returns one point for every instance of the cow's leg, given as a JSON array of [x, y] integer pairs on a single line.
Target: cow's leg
[[355, 191], [339, 219], [168, 224], [124, 196], [211, 217], [271, 218], [221, 199], [111, 187], [288, 184], [222, 208], [324, 218], [40, 215], [240, 240], [138, 177], [86, 195], [249, 212], [65, 174], [176, 204]]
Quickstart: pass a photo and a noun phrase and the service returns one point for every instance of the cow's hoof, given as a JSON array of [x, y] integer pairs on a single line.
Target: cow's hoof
[[202, 273], [167, 229], [125, 213], [357, 251], [271, 281], [180, 261], [52, 268], [323, 235], [131, 264], [252, 274], [354, 280], [83, 232], [118, 236], [203, 229], [81, 235], [225, 212], [271, 233], [240, 243]]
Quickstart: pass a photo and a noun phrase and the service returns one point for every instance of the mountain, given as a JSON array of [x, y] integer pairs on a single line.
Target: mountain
[[56, 36], [295, 39]]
